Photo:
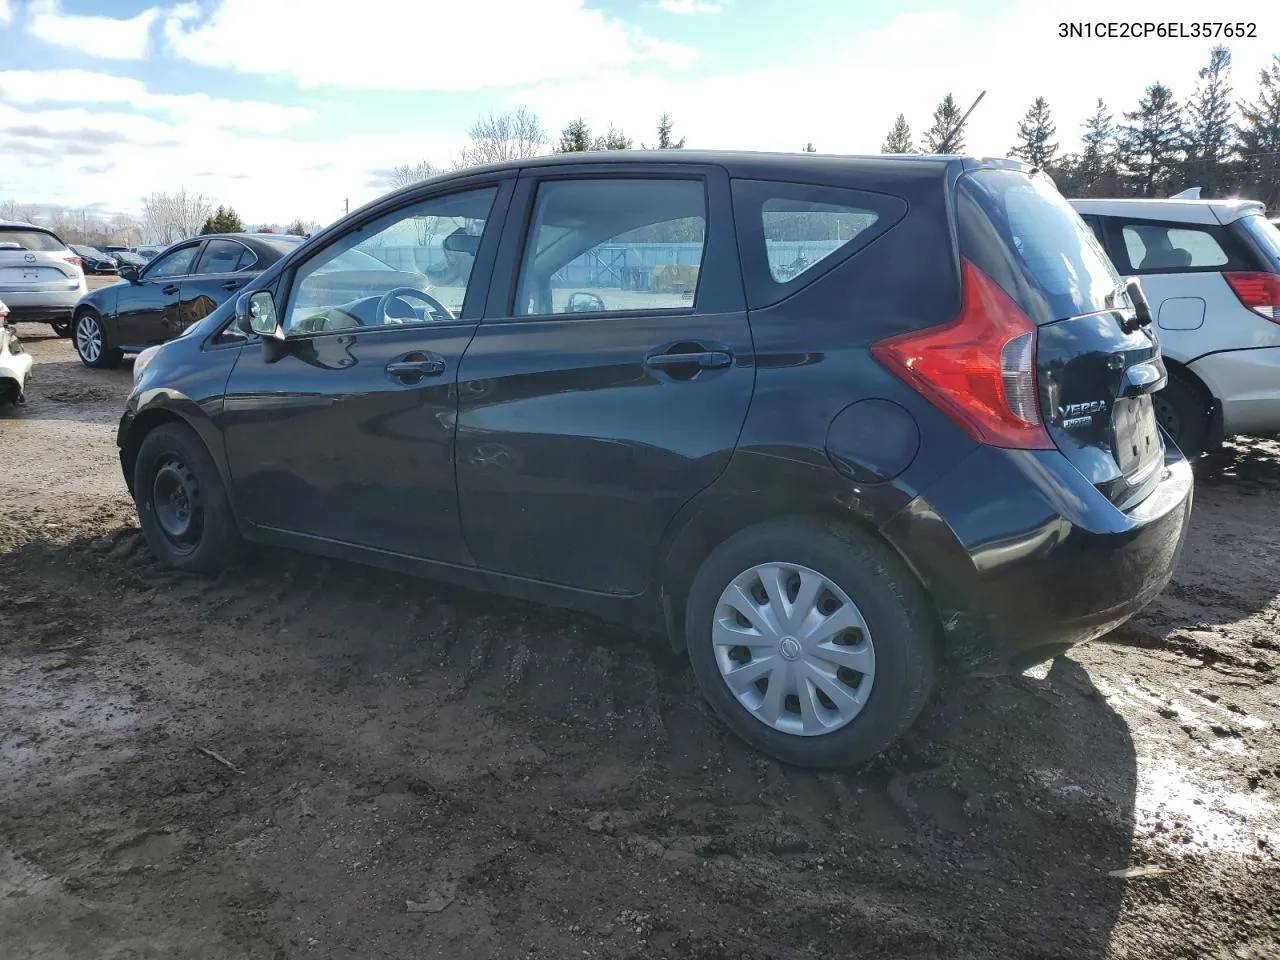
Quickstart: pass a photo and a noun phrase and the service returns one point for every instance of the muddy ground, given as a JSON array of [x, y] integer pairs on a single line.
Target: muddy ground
[[307, 759]]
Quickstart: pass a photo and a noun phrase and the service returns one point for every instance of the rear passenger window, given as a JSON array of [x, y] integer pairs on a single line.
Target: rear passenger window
[[800, 233], [613, 245], [1154, 246]]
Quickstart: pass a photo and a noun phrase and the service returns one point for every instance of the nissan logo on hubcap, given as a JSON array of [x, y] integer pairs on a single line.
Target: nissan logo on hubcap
[[789, 648]]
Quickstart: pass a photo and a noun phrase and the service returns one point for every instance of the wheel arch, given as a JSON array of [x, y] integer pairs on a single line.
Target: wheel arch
[[715, 516], [173, 410]]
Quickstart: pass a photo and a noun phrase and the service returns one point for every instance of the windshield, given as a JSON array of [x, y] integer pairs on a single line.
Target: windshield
[[1021, 232], [354, 260], [30, 239], [1265, 236]]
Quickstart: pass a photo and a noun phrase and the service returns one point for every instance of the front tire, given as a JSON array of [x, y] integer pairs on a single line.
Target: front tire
[[812, 643], [1182, 408], [92, 343], [182, 503]]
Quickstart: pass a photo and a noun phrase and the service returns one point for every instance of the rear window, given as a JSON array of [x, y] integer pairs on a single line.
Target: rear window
[[1020, 231], [1265, 236], [31, 239]]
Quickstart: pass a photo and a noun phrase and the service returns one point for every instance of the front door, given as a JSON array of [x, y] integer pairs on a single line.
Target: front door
[[611, 376], [345, 432], [147, 310], [216, 278]]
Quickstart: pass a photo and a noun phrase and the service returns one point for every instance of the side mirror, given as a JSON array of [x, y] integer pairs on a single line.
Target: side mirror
[[581, 302], [129, 272], [256, 315]]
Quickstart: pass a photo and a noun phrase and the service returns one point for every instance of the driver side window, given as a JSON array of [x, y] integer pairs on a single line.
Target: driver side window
[[175, 264], [408, 267]]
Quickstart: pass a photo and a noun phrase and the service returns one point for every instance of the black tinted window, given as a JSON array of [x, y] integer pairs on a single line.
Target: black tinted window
[[220, 256], [1265, 236], [1020, 231], [792, 233], [177, 263], [30, 239]]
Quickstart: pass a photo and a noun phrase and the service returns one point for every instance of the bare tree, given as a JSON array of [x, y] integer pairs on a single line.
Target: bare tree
[[410, 173], [510, 136], [16, 210], [172, 217]]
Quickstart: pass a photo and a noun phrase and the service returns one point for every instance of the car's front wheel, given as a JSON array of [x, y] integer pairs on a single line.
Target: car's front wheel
[[92, 343], [182, 503], [813, 643]]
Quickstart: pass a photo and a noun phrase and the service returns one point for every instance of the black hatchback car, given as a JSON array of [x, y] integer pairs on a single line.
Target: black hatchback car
[[821, 420], [165, 296]]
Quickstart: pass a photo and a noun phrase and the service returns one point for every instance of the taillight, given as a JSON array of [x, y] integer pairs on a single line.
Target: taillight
[[979, 369], [1260, 292], [76, 262]]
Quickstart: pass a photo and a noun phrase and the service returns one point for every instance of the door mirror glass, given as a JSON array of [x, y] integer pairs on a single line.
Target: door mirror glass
[[256, 314], [129, 272], [580, 302]]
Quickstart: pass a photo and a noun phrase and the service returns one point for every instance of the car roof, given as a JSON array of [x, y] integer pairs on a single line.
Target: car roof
[[24, 225], [1185, 211]]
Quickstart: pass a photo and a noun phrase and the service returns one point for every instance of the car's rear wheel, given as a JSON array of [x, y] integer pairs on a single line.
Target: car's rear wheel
[[62, 328], [1182, 408], [92, 343], [182, 503], [814, 644]]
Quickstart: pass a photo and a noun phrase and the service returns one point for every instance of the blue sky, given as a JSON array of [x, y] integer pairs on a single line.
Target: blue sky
[[287, 108]]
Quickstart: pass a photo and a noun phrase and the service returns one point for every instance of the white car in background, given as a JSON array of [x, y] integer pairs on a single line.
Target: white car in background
[[15, 364], [41, 279], [1211, 272]]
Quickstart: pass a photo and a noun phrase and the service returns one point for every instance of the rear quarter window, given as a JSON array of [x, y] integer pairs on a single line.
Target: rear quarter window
[[789, 234], [1153, 247]]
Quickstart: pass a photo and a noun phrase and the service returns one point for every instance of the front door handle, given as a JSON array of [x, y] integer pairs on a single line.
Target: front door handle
[[705, 359], [411, 371], [231, 285], [170, 289]]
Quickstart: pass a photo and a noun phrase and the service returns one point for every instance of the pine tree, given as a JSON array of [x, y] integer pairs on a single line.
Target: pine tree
[[810, 148], [1035, 135], [899, 139], [223, 220], [613, 140], [1209, 133], [575, 138], [1259, 134], [945, 119], [1151, 142], [665, 142]]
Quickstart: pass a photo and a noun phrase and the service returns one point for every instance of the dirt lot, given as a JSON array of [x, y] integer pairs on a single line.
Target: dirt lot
[[307, 759]]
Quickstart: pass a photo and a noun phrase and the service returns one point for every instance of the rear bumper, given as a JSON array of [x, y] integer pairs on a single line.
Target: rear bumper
[[1026, 558], [36, 306], [1248, 384]]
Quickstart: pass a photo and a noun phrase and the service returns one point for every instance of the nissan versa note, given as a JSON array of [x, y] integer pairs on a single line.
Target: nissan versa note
[[824, 421]]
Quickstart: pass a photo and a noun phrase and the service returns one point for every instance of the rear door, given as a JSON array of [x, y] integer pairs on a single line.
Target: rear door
[[1097, 365], [215, 279], [147, 310], [609, 380]]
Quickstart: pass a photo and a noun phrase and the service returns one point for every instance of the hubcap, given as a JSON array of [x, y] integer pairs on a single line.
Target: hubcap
[[89, 338], [793, 649], [175, 496]]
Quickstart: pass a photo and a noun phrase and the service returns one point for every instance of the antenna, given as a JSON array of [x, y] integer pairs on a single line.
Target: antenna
[[946, 144]]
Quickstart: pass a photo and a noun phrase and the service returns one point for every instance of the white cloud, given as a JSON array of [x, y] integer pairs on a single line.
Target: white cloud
[[448, 45], [81, 86], [687, 7], [850, 87], [6, 12], [97, 36]]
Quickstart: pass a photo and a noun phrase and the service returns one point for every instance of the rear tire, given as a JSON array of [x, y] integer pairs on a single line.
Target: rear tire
[[182, 503], [1182, 409], [62, 328], [92, 344], [893, 646]]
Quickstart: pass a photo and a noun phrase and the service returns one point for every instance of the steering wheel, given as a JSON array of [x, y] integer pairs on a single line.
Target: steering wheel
[[396, 293]]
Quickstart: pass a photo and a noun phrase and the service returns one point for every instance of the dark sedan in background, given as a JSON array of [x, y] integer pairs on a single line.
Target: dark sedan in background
[[178, 287], [95, 261]]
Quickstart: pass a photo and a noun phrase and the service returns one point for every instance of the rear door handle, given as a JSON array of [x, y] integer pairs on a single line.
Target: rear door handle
[[411, 371], [170, 289], [231, 285], [706, 359]]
